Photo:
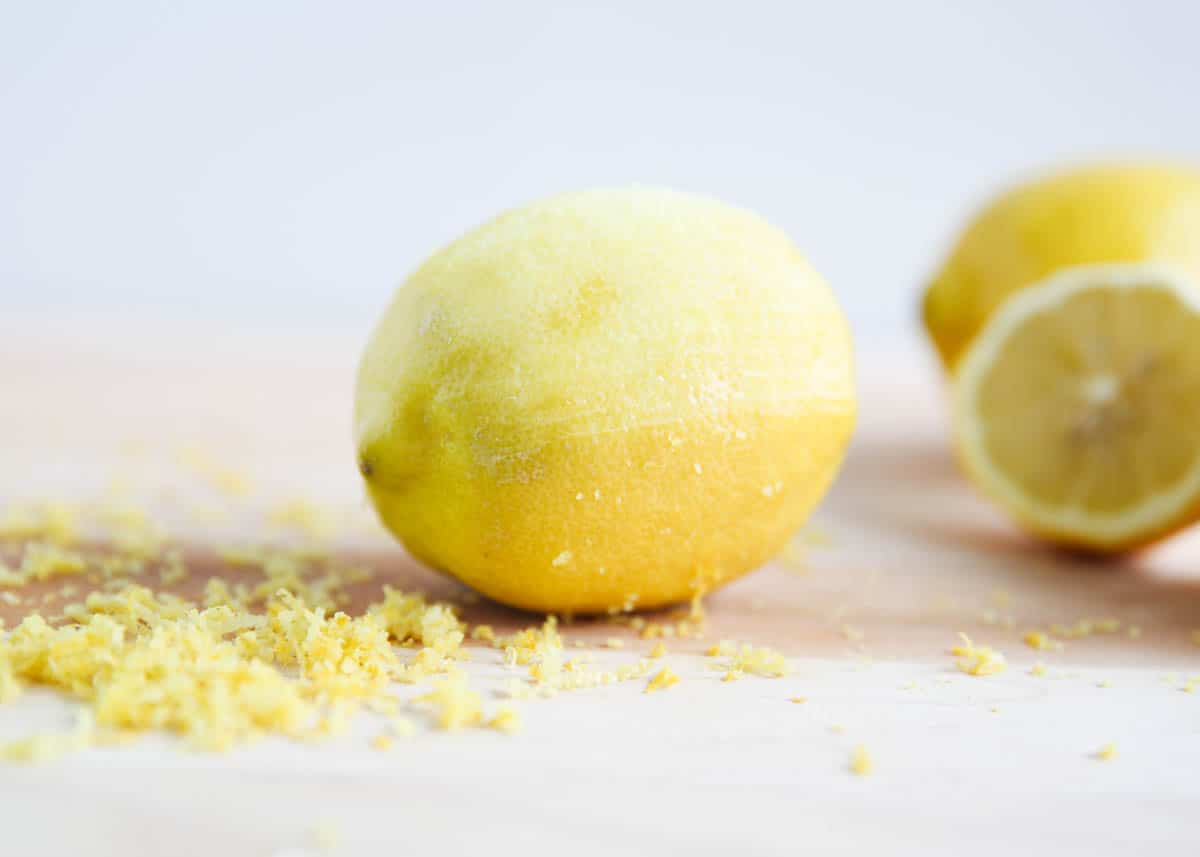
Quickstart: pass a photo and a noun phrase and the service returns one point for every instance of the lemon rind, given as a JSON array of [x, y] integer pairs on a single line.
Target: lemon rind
[[1155, 515]]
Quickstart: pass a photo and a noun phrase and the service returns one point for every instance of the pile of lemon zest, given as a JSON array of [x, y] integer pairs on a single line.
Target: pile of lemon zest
[[144, 661], [978, 660], [663, 679], [408, 618]]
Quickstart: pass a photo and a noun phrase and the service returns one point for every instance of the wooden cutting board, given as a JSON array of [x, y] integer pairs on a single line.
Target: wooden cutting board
[[901, 557]]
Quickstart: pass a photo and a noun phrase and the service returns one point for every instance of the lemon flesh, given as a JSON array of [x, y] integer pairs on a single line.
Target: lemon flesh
[[1092, 215], [1078, 406], [605, 399]]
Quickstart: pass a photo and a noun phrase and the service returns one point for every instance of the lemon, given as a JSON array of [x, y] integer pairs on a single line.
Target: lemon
[[1078, 405], [606, 399], [1087, 216], [1065, 316]]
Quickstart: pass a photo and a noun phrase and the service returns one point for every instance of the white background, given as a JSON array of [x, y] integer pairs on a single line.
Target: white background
[[287, 163]]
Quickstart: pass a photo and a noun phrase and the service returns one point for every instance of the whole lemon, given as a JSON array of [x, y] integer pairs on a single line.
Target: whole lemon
[[605, 399], [1085, 216]]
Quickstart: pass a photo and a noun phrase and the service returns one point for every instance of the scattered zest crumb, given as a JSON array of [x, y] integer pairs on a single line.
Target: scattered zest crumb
[[455, 705], [485, 633], [799, 700], [860, 761], [658, 651], [1040, 640], [506, 720], [662, 680], [1038, 669], [760, 660], [1107, 753], [978, 660]]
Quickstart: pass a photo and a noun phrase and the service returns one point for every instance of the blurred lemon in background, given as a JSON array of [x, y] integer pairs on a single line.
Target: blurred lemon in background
[[1068, 317], [1087, 216], [605, 399]]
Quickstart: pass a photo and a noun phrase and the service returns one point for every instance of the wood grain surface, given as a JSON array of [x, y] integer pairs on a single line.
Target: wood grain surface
[[900, 558]]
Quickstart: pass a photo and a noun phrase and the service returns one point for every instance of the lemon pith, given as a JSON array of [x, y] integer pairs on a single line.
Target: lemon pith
[[605, 399], [1078, 406]]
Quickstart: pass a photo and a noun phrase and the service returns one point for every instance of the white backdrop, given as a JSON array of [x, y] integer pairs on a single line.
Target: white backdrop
[[288, 162]]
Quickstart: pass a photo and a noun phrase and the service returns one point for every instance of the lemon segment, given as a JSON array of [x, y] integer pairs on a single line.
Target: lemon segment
[[1078, 405]]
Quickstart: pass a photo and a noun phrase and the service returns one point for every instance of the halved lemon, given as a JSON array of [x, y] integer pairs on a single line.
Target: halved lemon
[[1077, 407]]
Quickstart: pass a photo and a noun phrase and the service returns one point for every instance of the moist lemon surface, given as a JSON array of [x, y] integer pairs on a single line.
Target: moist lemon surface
[[1078, 406], [605, 399], [1087, 216]]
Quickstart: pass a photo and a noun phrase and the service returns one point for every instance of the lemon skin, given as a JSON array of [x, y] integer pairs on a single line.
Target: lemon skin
[[1090, 215], [605, 399]]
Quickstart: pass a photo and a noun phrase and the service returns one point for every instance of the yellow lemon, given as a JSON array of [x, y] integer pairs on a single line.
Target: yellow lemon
[[605, 399], [1069, 318], [1093, 215]]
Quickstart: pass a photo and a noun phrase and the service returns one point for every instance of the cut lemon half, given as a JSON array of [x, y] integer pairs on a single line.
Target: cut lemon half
[[1077, 408]]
